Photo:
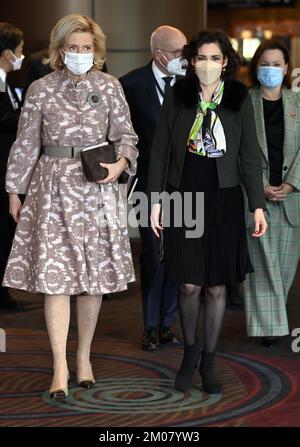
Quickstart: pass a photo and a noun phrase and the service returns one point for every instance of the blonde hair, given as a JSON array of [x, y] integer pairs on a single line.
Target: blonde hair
[[71, 24]]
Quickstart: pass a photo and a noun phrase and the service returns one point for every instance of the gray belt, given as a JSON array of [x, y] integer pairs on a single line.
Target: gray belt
[[62, 151]]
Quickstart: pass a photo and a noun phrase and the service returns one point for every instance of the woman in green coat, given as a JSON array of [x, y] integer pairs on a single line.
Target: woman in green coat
[[275, 256]]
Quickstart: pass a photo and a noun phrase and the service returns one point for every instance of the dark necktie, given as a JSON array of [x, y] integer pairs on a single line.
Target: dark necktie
[[167, 80]]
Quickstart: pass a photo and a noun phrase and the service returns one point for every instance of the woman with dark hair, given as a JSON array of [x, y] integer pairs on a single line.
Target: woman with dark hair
[[275, 257], [207, 122]]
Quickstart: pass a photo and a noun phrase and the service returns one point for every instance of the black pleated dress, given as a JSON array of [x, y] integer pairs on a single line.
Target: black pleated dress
[[220, 255]]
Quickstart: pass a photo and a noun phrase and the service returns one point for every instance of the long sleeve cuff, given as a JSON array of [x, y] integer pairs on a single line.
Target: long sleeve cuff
[[130, 153]]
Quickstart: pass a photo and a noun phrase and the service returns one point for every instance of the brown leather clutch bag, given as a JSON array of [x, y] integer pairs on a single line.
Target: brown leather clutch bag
[[91, 156]]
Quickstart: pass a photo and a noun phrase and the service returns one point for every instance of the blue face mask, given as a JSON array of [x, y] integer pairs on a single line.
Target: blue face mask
[[270, 77]]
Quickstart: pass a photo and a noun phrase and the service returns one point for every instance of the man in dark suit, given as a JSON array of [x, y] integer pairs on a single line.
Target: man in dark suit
[[145, 89], [11, 58]]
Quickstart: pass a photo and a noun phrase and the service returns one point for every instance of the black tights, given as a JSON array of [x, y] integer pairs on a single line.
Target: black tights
[[189, 310]]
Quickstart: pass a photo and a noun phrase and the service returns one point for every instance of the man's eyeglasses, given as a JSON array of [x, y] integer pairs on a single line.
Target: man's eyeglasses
[[176, 53]]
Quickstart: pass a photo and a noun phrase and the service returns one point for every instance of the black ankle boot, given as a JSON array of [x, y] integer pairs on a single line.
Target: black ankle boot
[[184, 377], [210, 383]]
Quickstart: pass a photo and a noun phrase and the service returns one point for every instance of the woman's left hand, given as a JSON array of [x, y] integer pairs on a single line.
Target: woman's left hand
[[260, 223], [282, 192], [114, 170]]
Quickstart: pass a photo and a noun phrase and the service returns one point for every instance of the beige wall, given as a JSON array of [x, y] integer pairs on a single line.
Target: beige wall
[[128, 25], [37, 17]]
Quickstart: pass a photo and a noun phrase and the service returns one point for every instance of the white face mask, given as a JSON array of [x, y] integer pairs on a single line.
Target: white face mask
[[17, 63], [177, 67], [208, 72], [79, 63]]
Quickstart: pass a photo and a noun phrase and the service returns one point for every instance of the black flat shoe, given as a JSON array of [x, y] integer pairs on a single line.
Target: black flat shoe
[[270, 341], [167, 336], [150, 341]]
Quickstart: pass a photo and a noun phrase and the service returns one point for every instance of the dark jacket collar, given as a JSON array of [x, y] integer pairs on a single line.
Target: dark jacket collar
[[186, 93], [149, 85]]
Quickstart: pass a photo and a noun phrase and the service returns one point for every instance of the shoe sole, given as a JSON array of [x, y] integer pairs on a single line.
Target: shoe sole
[[175, 342], [150, 348]]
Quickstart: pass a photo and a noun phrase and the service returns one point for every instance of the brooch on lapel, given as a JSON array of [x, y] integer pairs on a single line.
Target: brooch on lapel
[[293, 114], [94, 99]]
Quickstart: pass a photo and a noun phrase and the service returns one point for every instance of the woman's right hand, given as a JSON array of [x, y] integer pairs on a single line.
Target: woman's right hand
[[155, 218], [15, 206], [272, 193]]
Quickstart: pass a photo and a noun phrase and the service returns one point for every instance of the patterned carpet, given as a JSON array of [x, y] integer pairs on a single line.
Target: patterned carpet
[[135, 388]]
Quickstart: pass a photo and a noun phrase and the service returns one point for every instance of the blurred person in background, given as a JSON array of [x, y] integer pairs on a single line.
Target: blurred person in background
[[145, 89], [275, 256], [11, 58]]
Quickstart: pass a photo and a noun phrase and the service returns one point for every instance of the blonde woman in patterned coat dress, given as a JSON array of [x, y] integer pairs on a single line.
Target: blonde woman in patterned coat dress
[[62, 246]]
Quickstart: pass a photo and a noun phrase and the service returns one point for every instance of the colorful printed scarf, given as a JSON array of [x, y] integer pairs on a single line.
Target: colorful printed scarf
[[207, 137]]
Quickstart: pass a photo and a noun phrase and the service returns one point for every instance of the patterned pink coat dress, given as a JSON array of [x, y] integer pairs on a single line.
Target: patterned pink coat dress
[[70, 238]]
